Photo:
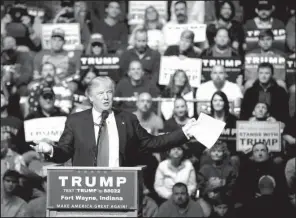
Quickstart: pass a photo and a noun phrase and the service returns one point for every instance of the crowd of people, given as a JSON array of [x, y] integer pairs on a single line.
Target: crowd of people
[[39, 81]]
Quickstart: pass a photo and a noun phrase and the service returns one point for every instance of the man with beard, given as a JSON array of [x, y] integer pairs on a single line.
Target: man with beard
[[48, 77], [264, 18], [150, 59], [180, 204], [11, 205], [219, 82], [221, 48], [23, 62], [12, 127], [225, 15]]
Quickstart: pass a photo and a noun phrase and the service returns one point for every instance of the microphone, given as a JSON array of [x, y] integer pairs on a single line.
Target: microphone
[[104, 115]]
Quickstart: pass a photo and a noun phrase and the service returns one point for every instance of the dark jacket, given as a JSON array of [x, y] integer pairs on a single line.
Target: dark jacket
[[78, 140], [279, 107]]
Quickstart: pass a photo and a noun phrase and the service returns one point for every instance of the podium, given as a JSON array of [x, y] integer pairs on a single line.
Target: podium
[[94, 191]]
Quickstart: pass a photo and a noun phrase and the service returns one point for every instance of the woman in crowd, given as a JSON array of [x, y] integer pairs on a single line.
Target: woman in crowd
[[176, 168], [178, 87], [153, 24], [96, 46]]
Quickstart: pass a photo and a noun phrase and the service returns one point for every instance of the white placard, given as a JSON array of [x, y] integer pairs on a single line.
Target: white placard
[[169, 65], [72, 35], [207, 130], [172, 32], [50, 128], [137, 10]]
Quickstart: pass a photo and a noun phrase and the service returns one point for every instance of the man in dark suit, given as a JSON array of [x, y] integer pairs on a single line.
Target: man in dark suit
[[118, 142]]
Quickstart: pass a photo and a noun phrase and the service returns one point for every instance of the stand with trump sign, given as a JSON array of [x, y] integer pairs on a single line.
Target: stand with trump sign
[[94, 191]]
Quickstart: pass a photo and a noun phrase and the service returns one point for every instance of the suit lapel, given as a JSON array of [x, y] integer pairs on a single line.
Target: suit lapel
[[89, 129]]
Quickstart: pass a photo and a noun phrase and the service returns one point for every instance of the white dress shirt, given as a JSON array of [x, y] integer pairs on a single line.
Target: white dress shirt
[[112, 134]]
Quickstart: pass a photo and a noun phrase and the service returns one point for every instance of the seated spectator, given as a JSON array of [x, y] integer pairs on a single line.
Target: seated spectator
[[261, 113], [180, 204], [178, 87], [220, 111], [48, 78], [176, 168], [222, 207], [219, 82], [114, 32], [96, 46], [264, 18], [147, 118], [63, 60], [22, 60], [290, 174], [221, 46], [150, 59], [219, 175], [180, 11], [290, 34], [265, 89], [258, 165], [185, 48], [131, 86], [225, 15], [267, 204], [153, 24], [13, 127], [20, 25], [11, 205], [46, 106], [289, 136]]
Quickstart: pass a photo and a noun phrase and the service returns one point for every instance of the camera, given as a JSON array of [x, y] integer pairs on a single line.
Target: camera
[[16, 13]]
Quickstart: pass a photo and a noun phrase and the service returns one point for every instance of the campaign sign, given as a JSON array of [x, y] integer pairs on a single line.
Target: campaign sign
[[169, 65], [291, 71], [105, 65], [253, 60], [233, 67], [249, 132], [40, 128], [228, 134], [92, 189], [252, 38], [137, 9], [172, 32], [72, 35]]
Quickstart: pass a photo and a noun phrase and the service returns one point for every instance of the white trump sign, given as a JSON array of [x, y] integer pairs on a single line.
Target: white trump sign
[[191, 66], [72, 35], [172, 32], [44, 128]]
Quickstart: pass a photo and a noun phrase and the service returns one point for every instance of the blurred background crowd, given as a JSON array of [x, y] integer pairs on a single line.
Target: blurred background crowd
[[51, 50]]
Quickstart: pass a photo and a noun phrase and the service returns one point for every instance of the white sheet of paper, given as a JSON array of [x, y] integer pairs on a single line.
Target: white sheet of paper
[[207, 130]]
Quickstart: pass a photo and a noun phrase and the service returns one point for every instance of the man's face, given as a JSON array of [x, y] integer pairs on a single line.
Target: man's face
[[264, 75], [113, 10], [48, 72], [102, 96], [222, 38], [185, 44], [218, 75], [136, 72], [260, 153], [265, 43], [47, 102], [180, 195], [221, 210], [57, 43], [226, 11], [181, 12], [264, 13], [141, 42], [180, 109], [260, 111], [144, 102], [10, 184]]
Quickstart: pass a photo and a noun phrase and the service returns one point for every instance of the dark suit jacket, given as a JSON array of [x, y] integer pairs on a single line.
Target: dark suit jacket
[[78, 140]]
